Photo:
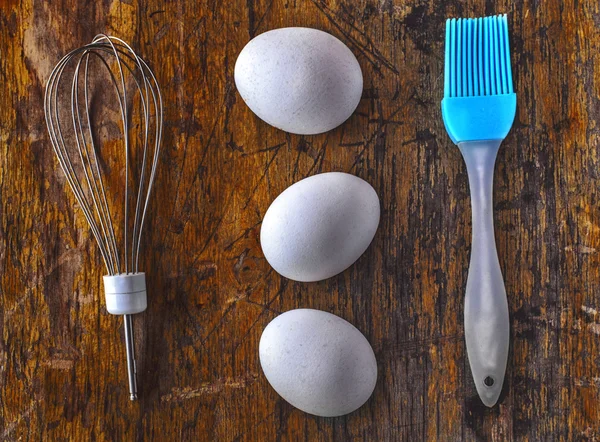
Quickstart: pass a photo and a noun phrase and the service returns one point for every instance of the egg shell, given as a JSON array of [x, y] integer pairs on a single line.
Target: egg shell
[[320, 226], [318, 362], [300, 80]]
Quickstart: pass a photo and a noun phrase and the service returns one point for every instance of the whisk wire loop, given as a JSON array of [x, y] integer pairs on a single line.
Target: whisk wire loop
[[80, 161]]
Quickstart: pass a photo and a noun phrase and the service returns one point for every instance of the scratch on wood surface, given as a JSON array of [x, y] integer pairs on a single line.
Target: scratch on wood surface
[[200, 266], [589, 310], [181, 394], [581, 249], [85, 298], [3, 359], [379, 130], [362, 42], [265, 171], [594, 328], [59, 364], [239, 263], [233, 299], [585, 382], [590, 434]]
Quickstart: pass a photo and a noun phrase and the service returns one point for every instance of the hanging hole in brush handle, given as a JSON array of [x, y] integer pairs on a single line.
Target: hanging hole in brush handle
[[489, 381], [486, 307]]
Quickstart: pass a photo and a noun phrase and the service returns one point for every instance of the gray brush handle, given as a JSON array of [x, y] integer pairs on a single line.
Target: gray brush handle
[[486, 308]]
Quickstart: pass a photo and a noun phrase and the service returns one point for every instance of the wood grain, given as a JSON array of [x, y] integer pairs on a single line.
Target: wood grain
[[62, 365]]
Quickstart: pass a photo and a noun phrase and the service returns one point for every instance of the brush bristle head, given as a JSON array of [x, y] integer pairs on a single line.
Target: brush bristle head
[[477, 57]]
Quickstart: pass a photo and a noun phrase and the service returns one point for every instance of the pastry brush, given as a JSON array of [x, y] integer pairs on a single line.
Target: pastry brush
[[478, 109]]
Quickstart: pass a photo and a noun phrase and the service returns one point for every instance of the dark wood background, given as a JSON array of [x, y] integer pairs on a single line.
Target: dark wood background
[[211, 292]]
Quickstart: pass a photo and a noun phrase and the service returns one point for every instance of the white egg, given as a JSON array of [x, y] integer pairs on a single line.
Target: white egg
[[318, 362], [300, 80], [319, 226]]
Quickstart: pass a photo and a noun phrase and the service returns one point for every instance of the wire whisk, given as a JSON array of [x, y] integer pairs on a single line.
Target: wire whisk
[[89, 157]]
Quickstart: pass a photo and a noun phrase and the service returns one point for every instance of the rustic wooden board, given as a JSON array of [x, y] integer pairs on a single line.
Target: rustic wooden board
[[62, 366]]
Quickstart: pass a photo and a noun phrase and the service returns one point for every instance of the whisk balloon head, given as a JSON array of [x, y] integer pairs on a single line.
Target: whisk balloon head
[[87, 141]]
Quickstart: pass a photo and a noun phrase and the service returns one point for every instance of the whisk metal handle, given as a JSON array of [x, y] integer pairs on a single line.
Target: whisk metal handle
[[130, 349], [126, 295]]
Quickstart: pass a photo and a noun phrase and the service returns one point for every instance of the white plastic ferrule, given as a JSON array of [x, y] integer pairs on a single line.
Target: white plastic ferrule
[[125, 293]]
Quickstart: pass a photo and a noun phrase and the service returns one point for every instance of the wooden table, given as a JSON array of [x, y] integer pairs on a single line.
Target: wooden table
[[211, 292]]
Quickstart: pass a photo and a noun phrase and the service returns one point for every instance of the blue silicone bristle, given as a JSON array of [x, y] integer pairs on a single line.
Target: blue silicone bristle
[[479, 102], [477, 57]]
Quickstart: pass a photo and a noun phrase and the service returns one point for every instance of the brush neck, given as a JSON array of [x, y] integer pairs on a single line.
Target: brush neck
[[480, 157]]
